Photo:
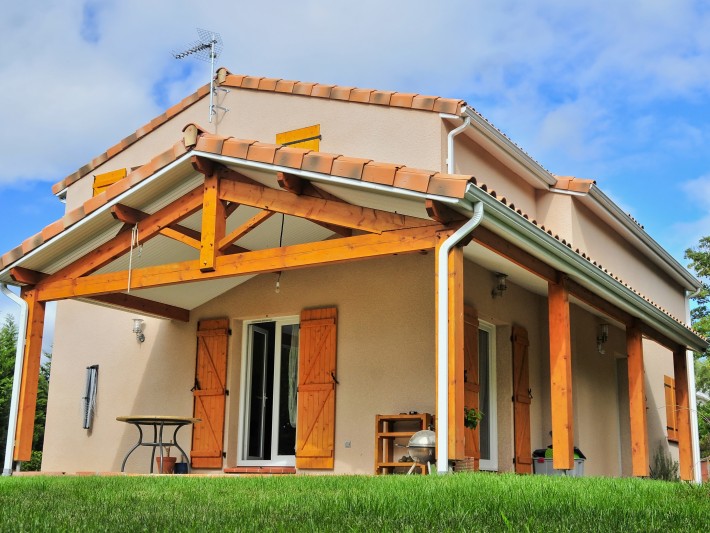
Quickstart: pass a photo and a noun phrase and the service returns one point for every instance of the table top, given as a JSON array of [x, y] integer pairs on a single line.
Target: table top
[[158, 419]]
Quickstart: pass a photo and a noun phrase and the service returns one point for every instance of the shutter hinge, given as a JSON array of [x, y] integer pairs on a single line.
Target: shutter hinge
[[226, 392], [229, 331], [224, 455]]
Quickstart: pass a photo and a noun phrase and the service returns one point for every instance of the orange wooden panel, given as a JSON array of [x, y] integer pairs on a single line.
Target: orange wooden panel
[[682, 400], [30, 377], [561, 376], [456, 355], [210, 393], [472, 383], [521, 401], [315, 429], [105, 180], [637, 402], [671, 423], [213, 224], [307, 138]]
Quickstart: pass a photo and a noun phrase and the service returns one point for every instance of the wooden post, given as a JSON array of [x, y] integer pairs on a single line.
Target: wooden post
[[637, 402], [561, 376], [685, 448], [214, 224], [30, 376], [456, 346]]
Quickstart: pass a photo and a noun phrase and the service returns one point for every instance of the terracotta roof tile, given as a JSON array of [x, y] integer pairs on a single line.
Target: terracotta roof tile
[[250, 82], [448, 105], [424, 102], [318, 162], [349, 167], [95, 202], [236, 147], [341, 93], [412, 179], [290, 157], [73, 216], [449, 185], [569, 183], [361, 95], [262, 152], [10, 257], [321, 91], [282, 86], [381, 97], [402, 99], [53, 229], [382, 173], [31, 243], [303, 88], [210, 143], [268, 84]]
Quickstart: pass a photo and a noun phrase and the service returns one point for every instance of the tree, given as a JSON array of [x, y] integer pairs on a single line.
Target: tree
[[700, 316], [8, 348]]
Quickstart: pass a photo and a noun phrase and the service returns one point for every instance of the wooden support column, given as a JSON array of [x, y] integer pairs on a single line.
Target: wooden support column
[[214, 223], [30, 376], [637, 402], [682, 399], [455, 335], [561, 376]]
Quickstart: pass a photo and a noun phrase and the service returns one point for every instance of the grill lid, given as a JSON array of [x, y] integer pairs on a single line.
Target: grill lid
[[423, 439]]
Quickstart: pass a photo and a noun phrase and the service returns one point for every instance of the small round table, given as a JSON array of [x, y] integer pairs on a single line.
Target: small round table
[[158, 423]]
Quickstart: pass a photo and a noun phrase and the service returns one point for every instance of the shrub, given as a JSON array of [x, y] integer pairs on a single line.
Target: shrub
[[663, 467]]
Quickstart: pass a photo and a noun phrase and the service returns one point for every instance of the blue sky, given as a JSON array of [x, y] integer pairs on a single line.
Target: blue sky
[[614, 91]]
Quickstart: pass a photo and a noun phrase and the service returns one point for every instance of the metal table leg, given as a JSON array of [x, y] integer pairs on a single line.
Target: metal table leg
[[140, 441]]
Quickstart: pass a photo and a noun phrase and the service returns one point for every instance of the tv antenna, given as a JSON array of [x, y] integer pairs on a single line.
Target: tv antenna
[[206, 49]]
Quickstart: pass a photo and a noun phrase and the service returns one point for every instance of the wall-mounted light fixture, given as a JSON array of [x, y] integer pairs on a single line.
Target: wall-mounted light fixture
[[501, 285], [602, 337], [138, 329]]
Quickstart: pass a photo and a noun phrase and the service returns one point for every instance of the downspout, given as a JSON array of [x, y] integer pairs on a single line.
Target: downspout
[[442, 399], [17, 378], [450, 144], [693, 400]]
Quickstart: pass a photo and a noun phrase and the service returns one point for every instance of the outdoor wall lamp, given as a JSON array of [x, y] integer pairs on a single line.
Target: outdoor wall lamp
[[602, 337], [501, 285], [138, 329]]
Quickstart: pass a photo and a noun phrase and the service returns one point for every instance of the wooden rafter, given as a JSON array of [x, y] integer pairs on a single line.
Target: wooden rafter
[[143, 305], [27, 276], [180, 209], [245, 228], [442, 213], [289, 182], [255, 262], [318, 209], [128, 215]]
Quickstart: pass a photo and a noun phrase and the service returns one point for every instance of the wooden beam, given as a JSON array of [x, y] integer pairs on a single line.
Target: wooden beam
[[128, 215], [111, 250], [660, 338], [317, 209], [442, 213], [203, 165], [214, 223], [27, 276], [682, 400], [143, 306], [561, 376], [182, 236], [456, 354], [30, 376], [599, 303], [256, 262], [245, 228], [289, 182], [520, 257], [637, 402]]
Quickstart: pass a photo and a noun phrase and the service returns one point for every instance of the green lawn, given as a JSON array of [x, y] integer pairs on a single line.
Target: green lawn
[[462, 502]]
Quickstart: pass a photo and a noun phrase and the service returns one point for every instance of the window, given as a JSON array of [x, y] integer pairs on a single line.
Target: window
[[487, 396], [671, 408]]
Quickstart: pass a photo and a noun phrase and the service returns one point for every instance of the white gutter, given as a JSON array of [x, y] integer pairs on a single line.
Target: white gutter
[[450, 144], [442, 398], [693, 400], [17, 378]]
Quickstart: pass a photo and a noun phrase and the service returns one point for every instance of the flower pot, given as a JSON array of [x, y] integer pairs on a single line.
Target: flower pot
[[168, 465], [180, 468]]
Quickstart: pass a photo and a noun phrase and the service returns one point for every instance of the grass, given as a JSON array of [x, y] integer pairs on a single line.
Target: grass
[[463, 502]]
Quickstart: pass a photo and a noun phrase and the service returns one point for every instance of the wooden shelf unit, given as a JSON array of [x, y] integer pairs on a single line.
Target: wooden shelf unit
[[392, 428]]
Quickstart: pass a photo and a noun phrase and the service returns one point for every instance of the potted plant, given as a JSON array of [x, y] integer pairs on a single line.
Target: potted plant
[[167, 466], [471, 417]]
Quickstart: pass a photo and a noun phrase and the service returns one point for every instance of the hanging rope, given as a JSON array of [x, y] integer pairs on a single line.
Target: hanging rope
[[134, 243], [281, 241]]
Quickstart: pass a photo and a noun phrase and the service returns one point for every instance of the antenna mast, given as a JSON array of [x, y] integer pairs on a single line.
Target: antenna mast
[[206, 49]]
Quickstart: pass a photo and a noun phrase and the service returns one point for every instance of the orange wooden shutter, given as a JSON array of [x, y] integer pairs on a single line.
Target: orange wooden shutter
[[472, 382], [105, 180], [210, 393], [671, 418], [308, 138], [315, 426], [521, 401]]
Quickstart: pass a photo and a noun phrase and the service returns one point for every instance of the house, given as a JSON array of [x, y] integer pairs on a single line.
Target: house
[[304, 257]]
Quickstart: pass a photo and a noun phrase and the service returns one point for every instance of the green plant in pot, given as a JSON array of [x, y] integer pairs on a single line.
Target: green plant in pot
[[471, 417], [168, 462]]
